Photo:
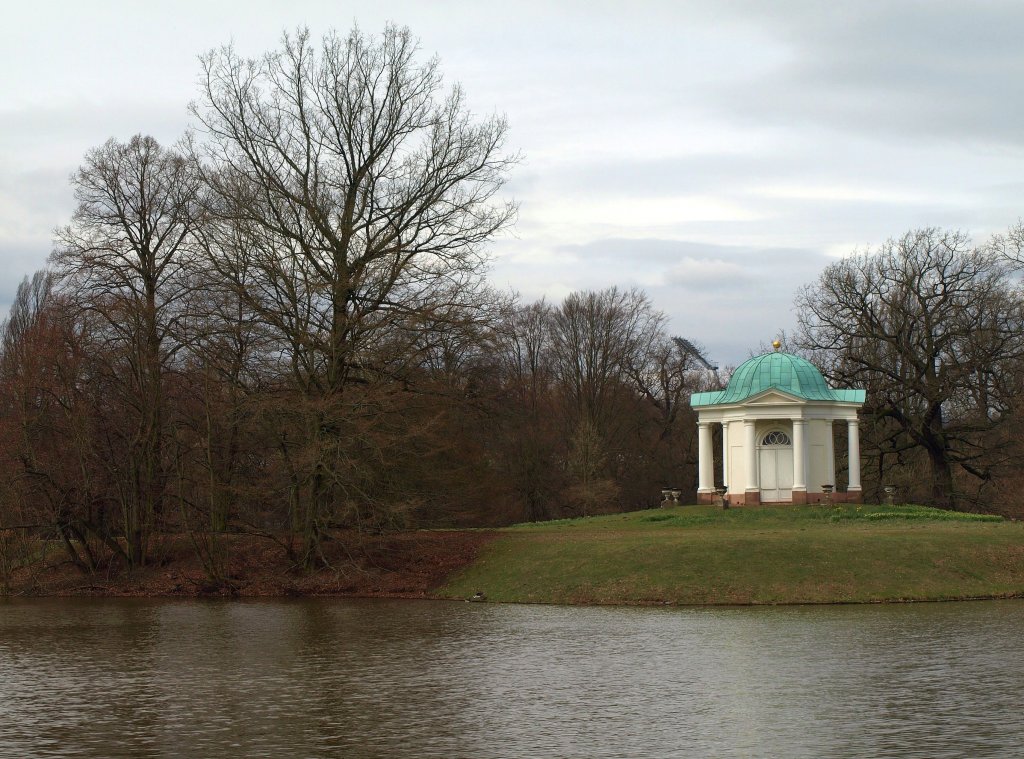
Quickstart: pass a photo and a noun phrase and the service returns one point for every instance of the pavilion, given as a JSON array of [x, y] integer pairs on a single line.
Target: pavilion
[[777, 416]]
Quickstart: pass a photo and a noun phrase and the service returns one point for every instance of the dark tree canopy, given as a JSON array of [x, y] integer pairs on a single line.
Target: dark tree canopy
[[932, 327]]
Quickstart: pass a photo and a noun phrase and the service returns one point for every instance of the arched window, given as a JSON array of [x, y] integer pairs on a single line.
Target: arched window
[[776, 437]]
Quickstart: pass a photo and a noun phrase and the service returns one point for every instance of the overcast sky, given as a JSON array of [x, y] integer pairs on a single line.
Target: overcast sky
[[716, 154]]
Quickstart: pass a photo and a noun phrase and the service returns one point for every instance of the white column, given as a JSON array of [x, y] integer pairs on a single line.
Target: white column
[[750, 449], [705, 459], [800, 454], [830, 455], [853, 436], [725, 455]]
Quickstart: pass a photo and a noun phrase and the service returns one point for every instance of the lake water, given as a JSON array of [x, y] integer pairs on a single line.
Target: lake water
[[308, 678]]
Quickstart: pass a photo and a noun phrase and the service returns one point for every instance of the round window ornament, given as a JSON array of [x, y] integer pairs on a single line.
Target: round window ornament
[[776, 437]]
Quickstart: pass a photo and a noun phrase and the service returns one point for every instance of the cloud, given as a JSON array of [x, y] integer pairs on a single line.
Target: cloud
[[729, 297], [32, 204], [17, 261], [58, 134], [709, 274], [904, 70]]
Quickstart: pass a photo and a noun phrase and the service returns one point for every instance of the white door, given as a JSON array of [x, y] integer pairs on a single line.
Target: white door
[[775, 459]]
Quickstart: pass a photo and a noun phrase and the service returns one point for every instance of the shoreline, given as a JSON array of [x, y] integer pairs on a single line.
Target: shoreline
[[409, 564], [683, 557], [229, 596]]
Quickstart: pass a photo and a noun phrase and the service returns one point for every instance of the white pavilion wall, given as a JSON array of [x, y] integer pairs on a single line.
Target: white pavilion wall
[[818, 433], [816, 438], [737, 477]]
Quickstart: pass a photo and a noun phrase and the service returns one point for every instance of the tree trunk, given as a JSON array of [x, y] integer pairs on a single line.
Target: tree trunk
[[942, 479]]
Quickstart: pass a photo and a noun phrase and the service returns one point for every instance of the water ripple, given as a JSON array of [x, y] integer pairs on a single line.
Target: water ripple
[[144, 678]]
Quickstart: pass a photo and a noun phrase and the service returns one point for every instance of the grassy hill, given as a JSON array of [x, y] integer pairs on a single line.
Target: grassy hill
[[703, 555]]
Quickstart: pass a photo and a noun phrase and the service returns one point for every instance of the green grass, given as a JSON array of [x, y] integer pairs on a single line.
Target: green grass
[[703, 555]]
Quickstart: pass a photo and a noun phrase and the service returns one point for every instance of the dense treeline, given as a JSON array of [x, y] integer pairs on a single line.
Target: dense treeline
[[520, 412], [281, 326], [932, 326]]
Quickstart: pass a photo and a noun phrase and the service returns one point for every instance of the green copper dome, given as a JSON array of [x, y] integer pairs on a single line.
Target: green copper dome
[[780, 371]]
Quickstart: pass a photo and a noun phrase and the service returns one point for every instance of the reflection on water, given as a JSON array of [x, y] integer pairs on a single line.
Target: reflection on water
[[105, 678]]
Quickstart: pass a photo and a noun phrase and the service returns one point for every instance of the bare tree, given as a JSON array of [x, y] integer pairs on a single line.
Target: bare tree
[[597, 337], [1010, 245], [353, 194], [125, 258], [666, 371], [933, 328], [527, 426]]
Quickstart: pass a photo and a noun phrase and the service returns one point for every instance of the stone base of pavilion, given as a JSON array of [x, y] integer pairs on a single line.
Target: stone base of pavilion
[[753, 498]]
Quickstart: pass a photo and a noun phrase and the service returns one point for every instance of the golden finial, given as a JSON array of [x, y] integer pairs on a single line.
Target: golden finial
[[776, 345]]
